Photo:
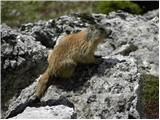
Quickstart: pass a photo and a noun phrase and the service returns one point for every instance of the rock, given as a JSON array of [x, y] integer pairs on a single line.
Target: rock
[[21, 102], [108, 84], [56, 112], [152, 14], [134, 35], [42, 31], [16, 45], [125, 49], [110, 89], [20, 54], [107, 90]]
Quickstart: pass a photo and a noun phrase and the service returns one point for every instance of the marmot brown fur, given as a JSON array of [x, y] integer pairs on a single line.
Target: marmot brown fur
[[72, 49]]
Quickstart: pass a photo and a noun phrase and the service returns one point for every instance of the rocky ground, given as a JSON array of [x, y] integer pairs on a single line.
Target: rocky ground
[[110, 89]]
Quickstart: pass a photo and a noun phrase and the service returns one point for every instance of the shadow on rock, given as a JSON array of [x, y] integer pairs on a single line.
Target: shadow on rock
[[83, 73], [37, 103]]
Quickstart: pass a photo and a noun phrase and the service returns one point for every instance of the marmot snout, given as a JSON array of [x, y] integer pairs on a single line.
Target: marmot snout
[[98, 32]]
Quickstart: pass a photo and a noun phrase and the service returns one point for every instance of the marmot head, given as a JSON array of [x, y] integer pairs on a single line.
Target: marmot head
[[96, 33]]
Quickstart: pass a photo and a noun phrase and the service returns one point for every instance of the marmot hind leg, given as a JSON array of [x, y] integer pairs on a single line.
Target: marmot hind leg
[[67, 68], [89, 60]]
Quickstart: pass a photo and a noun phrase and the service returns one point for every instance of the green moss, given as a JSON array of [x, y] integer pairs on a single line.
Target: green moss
[[108, 6], [16, 13], [150, 88]]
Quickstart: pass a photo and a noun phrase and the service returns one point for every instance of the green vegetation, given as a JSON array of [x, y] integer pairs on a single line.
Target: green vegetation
[[151, 88], [15, 13], [150, 96], [106, 7]]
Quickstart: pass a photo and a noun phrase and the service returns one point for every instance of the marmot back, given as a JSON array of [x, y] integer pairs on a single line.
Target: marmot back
[[71, 50]]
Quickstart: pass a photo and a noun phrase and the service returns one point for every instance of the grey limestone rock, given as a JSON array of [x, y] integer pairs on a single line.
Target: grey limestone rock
[[135, 36], [109, 89], [152, 14], [47, 112], [20, 54]]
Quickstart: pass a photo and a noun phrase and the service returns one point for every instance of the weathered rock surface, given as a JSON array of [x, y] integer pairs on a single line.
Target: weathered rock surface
[[23, 59], [56, 112], [152, 14], [135, 36], [109, 89]]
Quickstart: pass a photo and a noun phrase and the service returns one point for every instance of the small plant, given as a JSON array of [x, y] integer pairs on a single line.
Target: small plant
[[108, 6]]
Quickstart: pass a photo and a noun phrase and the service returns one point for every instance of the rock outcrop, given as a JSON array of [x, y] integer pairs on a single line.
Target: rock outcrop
[[109, 89], [47, 112]]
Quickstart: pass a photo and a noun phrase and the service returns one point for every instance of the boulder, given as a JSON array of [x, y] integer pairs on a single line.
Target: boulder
[[47, 112], [106, 90], [109, 89]]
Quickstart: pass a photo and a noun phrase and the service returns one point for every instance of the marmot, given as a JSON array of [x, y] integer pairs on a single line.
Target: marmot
[[73, 49]]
